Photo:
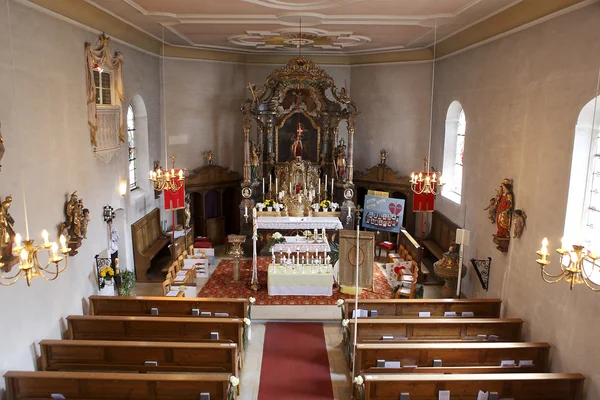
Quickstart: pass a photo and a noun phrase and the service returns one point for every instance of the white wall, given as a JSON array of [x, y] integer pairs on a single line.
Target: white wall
[[50, 156], [522, 95]]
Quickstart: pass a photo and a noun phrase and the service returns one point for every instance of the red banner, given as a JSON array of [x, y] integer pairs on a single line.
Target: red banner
[[423, 202], [174, 200]]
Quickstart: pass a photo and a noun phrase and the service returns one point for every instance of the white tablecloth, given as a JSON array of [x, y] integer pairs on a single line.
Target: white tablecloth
[[295, 243], [307, 284], [298, 223]]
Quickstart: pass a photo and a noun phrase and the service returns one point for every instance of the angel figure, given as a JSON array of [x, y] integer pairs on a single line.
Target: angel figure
[[491, 209], [85, 220], [519, 217]]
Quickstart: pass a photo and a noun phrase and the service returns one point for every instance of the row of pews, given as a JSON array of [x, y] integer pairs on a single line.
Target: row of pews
[[427, 349], [141, 348]]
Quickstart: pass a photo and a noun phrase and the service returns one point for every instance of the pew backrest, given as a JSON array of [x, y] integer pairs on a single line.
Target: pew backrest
[[98, 385], [466, 386], [170, 307], [395, 308], [91, 355], [437, 329], [471, 358]]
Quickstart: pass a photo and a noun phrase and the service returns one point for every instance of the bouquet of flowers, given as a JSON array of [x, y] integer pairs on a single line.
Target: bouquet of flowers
[[107, 272], [325, 204], [269, 203], [307, 234], [334, 206], [315, 207], [275, 239], [278, 207], [260, 206]]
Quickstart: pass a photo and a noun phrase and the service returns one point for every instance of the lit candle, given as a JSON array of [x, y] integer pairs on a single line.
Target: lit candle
[[54, 250], [544, 249], [180, 174], [245, 211], [45, 236], [331, 188], [151, 174], [562, 244], [276, 185], [18, 240], [63, 242], [319, 187], [290, 188], [326, 185], [263, 185], [23, 256]]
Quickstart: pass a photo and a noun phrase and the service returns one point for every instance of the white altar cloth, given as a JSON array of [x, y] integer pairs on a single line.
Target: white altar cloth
[[299, 243], [298, 283], [299, 223]]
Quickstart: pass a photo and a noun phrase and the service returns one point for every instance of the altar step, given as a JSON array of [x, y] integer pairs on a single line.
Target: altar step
[[299, 313]]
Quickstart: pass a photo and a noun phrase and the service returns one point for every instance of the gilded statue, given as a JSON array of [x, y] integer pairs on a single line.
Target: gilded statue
[[76, 218], [297, 146], [1, 147], [7, 232], [254, 160], [85, 220], [341, 160], [504, 212], [187, 213]]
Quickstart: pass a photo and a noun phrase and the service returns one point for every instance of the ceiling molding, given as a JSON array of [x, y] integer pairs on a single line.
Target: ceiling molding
[[525, 13]]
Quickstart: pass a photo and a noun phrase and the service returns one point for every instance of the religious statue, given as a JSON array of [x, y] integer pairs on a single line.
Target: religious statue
[[209, 156], [85, 220], [187, 213], [297, 145], [254, 161], [341, 160], [504, 211], [520, 217], [7, 232], [491, 209], [383, 154], [71, 210], [1, 147], [63, 230]]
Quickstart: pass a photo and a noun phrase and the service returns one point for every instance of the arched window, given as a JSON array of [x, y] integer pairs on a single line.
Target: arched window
[[454, 152], [582, 223], [132, 150]]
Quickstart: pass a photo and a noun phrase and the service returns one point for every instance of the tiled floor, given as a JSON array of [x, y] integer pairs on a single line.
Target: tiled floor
[[329, 315]]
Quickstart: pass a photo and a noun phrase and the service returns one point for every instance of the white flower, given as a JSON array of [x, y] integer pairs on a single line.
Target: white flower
[[315, 207], [359, 380], [345, 322], [334, 206], [252, 300], [277, 236], [260, 206], [234, 381], [340, 302], [247, 321]]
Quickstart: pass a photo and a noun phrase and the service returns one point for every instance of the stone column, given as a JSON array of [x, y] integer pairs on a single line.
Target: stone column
[[350, 169], [246, 153]]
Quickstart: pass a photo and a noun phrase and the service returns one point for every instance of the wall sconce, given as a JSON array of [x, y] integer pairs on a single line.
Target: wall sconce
[[123, 188]]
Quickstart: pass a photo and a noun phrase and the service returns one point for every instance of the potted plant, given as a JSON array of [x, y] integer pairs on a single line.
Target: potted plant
[[269, 204], [325, 204], [127, 282]]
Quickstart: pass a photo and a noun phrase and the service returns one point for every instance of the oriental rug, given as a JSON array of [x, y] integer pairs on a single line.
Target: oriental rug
[[221, 285], [295, 365]]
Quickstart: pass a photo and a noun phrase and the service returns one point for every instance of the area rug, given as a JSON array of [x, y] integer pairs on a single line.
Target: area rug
[[221, 285], [295, 365]]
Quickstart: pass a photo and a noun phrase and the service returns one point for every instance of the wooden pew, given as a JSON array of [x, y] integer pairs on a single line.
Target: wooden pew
[[436, 330], [470, 358], [410, 308], [167, 307], [91, 355], [148, 240], [155, 329], [441, 234], [466, 386], [100, 385]]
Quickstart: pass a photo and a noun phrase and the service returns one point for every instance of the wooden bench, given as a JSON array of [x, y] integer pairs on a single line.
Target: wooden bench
[[391, 308], [99, 385], [408, 246], [91, 355], [148, 240], [156, 329], [466, 386], [436, 329], [456, 357], [441, 234], [171, 307]]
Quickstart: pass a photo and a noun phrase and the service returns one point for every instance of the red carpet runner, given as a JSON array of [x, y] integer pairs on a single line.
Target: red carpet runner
[[295, 364]]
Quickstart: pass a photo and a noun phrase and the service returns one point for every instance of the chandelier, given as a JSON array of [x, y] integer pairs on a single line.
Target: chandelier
[[427, 181], [29, 263], [577, 266], [167, 180]]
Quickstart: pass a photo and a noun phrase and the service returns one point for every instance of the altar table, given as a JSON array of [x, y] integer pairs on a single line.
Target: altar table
[[298, 223], [301, 244], [298, 283]]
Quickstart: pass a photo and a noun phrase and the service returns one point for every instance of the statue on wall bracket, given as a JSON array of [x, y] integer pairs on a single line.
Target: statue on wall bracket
[[1, 147], [7, 235], [74, 228], [500, 212]]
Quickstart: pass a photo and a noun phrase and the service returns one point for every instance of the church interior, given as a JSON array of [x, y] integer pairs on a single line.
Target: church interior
[[300, 199]]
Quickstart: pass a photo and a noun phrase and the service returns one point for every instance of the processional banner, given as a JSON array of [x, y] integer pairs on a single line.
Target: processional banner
[[383, 214], [174, 200]]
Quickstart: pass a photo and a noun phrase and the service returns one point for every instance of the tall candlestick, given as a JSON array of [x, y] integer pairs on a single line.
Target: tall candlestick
[[319, 187], [325, 184], [331, 188], [263, 186], [276, 186]]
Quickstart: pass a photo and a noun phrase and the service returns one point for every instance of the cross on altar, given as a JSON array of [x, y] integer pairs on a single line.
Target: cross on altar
[[299, 131]]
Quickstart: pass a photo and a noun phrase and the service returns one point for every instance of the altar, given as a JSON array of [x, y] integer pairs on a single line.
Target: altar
[[298, 223], [300, 280]]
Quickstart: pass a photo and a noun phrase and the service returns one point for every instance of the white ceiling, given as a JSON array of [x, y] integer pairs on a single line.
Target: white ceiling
[[328, 26]]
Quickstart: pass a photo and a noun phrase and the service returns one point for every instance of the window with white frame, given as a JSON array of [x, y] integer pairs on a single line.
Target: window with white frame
[[132, 150], [102, 81], [454, 152], [582, 222]]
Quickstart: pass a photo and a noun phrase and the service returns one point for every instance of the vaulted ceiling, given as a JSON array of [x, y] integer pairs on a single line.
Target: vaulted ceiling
[[342, 27]]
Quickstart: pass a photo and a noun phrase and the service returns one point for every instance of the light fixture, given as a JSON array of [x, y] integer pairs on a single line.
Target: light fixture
[[428, 181], [29, 265], [577, 266], [167, 180], [123, 188]]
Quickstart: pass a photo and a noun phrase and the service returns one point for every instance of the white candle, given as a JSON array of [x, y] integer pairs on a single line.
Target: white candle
[[325, 184], [263, 185], [63, 242], [319, 187], [276, 186], [544, 248], [245, 211], [331, 188], [54, 250]]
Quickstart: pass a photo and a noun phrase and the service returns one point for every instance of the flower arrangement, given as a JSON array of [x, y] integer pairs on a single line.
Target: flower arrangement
[[334, 206], [234, 382], [315, 207], [127, 282], [269, 203], [307, 234], [359, 381], [275, 239], [107, 272], [325, 204], [340, 304], [260, 206]]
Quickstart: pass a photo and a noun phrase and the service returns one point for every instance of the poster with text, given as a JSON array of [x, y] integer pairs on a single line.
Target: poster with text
[[383, 214]]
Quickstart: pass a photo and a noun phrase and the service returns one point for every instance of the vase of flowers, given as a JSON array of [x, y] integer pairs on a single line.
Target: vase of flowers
[[333, 206], [275, 239], [269, 204], [325, 205]]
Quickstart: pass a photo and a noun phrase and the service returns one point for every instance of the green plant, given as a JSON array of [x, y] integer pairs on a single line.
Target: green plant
[[127, 279]]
